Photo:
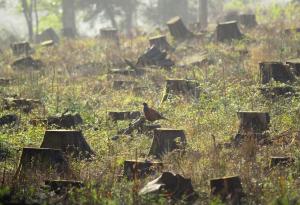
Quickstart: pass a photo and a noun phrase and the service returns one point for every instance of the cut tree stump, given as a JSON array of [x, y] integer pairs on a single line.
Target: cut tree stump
[[139, 125], [8, 119], [160, 42], [123, 84], [136, 169], [123, 115], [27, 63], [276, 71], [154, 56], [69, 141], [248, 20], [173, 186], [228, 31], [166, 140], [43, 163], [181, 87], [22, 48], [65, 120], [295, 66], [178, 30], [281, 161], [63, 186], [110, 34], [26, 105], [228, 189], [48, 35]]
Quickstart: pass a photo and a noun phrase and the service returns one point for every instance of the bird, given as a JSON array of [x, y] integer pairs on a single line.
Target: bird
[[151, 114]]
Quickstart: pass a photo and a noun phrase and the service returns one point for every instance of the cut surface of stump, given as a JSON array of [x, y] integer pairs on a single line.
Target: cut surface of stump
[[181, 87], [47, 43], [228, 189], [48, 35], [171, 185], [65, 120], [160, 42], [22, 48], [69, 141], [178, 30], [110, 34], [166, 140], [27, 63], [141, 168], [228, 31], [43, 162], [281, 161], [276, 71], [123, 115], [248, 20], [295, 66], [123, 84]]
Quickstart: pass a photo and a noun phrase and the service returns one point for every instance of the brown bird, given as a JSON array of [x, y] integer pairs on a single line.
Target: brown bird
[[151, 114]]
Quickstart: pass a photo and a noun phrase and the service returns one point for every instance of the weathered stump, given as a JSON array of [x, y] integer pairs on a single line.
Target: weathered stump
[[69, 141], [123, 84], [42, 162], [27, 63], [181, 87], [281, 161], [8, 120], [22, 48], [166, 140], [178, 30], [154, 56], [110, 34], [47, 35], [26, 105], [123, 115], [276, 71], [295, 66], [135, 169], [228, 189], [62, 186], [160, 42], [173, 186], [248, 20], [65, 120], [228, 31]]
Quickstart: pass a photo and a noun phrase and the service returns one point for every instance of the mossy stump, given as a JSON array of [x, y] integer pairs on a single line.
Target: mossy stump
[[166, 140], [135, 169], [228, 31], [160, 42], [123, 115], [281, 161], [228, 189], [43, 163], [178, 30], [69, 141], [276, 71]]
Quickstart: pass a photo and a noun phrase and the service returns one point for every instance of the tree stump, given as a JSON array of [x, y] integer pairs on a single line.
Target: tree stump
[[27, 63], [248, 20], [62, 186], [26, 105], [276, 71], [22, 48], [228, 189], [123, 115], [173, 186], [43, 162], [69, 141], [181, 87], [8, 120], [295, 66], [160, 42], [178, 30], [123, 84], [47, 35], [166, 140], [281, 161], [136, 169], [65, 120], [110, 34], [228, 31]]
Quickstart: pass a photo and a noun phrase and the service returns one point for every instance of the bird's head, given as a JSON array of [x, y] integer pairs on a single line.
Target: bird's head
[[145, 104]]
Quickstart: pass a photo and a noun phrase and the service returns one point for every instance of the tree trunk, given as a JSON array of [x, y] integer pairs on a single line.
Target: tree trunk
[[203, 13], [27, 11], [110, 13], [69, 18]]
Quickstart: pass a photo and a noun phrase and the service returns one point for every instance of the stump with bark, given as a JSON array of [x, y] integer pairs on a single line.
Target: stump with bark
[[276, 71], [123, 115], [178, 30], [69, 141], [228, 31], [48, 35], [248, 20], [188, 88], [160, 42], [43, 163], [22, 48], [228, 189], [295, 66], [281, 161], [136, 169], [166, 140]]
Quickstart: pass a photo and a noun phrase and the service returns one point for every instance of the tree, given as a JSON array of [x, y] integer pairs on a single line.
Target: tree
[[69, 18], [203, 13], [27, 11]]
